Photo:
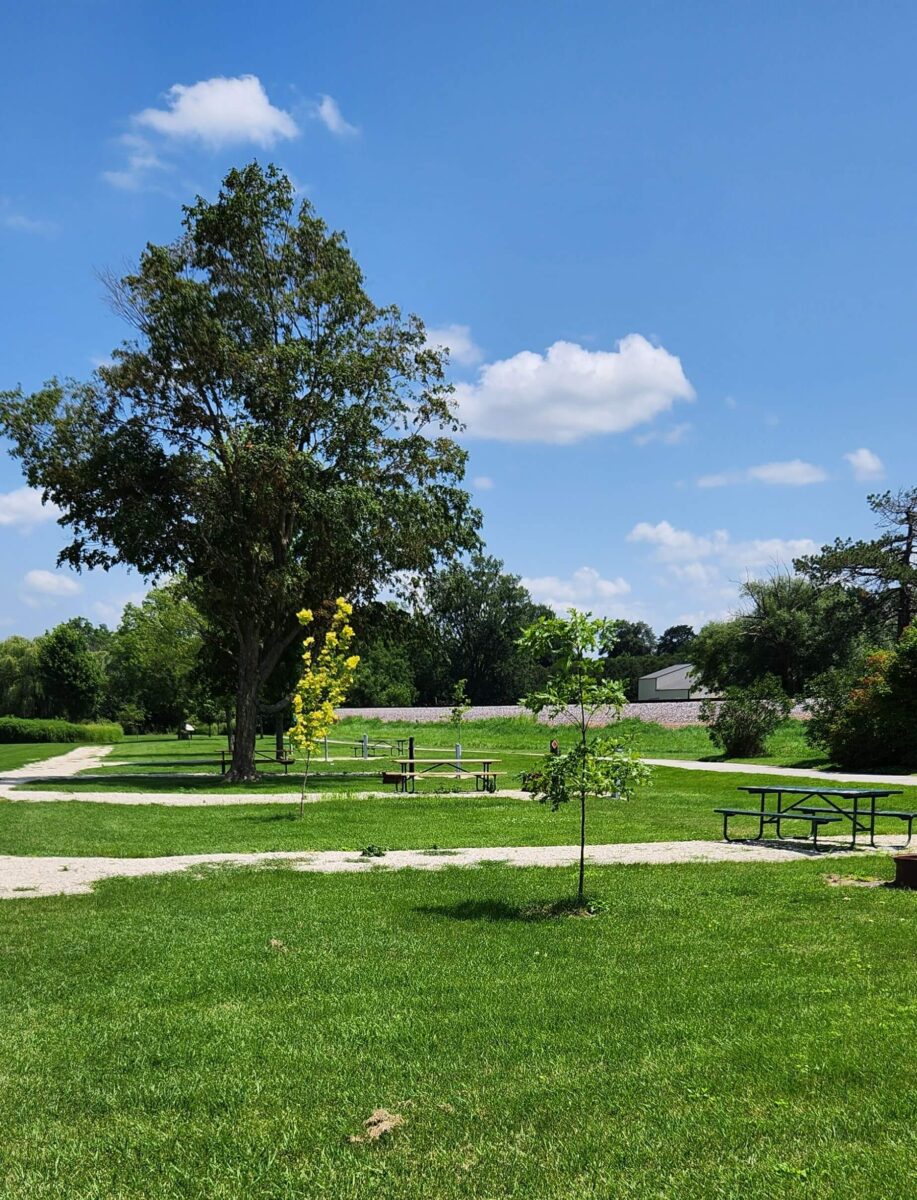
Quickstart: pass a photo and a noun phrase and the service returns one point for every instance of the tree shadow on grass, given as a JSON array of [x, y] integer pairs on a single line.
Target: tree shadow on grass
[[500, 910]]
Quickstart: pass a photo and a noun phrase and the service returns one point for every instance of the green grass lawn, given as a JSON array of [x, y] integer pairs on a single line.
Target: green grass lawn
[[162, 763], [20, 756], [675, 804], [719, 1031]]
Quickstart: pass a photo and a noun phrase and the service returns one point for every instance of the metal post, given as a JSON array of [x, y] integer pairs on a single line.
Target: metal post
[[410, 770], [458, 759], [366, 745]]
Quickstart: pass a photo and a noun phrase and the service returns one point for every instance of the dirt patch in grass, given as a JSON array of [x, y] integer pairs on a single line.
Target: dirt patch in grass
[[377, 1126], [854, 881]]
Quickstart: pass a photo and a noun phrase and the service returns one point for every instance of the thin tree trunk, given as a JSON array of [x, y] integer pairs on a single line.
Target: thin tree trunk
[[584, 728], [242, 767], [302, 794], [582, 845]]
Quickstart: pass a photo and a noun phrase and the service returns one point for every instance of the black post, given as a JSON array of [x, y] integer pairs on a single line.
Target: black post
[[410, 763]]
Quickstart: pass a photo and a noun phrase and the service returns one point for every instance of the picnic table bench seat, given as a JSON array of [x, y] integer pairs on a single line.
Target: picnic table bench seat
[[896, 813], [814, 820]]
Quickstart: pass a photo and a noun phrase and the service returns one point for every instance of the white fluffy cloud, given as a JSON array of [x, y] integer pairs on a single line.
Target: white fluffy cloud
[[681, 546], [220, 111], [458, 341], [570, 393], [22, 509], [585, 588], [329, 113], [483, 483], [794, 473], [675, 545], [702, 571], [865, 464], [40, 585]]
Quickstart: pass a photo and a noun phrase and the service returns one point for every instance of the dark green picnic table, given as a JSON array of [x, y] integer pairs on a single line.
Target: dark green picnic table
[[819, 807]]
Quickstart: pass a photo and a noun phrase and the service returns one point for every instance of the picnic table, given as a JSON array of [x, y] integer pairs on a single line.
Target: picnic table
[[379, 746], [412, 769], [818, 807]]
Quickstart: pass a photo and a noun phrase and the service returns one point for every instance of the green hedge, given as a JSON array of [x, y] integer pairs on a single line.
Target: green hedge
[[18, 729]]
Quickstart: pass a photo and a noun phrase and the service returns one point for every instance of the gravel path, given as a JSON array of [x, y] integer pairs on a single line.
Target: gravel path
[[84, 758], [26, 877], [735, 768]]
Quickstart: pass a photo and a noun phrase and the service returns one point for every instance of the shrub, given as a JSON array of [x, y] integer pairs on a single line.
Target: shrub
[[848, 713], [866, 716], [741, 723], [131, 718], [19, 729]]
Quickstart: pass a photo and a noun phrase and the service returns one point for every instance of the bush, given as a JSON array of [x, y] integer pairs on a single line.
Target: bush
[[744, 719], [866, 717], [19, 729], [131, 718], [848, 713]]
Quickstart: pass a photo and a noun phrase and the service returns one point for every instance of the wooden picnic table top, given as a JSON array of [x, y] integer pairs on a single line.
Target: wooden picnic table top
[[845, 793]]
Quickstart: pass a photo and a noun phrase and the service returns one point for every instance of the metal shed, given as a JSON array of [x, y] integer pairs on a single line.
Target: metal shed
[[671, 683]]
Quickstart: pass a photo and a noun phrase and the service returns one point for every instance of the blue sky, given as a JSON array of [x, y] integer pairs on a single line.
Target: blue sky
[[672, 247]]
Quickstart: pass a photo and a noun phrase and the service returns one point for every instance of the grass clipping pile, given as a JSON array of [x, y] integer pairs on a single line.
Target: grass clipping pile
[[377, 1126]]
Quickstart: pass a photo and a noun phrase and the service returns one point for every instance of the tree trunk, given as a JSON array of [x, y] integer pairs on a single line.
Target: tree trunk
[[242, 767], [580, 894]]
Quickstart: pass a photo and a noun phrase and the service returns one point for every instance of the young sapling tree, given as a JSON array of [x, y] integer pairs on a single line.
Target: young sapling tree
[[460, 706], [322, 688], [597, 765]]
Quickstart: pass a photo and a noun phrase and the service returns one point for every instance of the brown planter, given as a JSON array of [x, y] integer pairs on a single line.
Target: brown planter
[[906, 871]]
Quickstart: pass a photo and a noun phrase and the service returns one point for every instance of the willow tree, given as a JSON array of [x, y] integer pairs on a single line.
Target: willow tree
[[268, 430]]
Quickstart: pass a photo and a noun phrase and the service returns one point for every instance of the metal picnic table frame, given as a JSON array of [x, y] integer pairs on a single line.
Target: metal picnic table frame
[[485, 780], [862, 820]]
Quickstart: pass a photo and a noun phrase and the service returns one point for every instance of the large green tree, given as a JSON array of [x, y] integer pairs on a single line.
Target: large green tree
[[71, 668], [676, 639], [20, 680], [633, 639], [475, 613], [886, 567], [155, 658], [269, 431], [789, 628]]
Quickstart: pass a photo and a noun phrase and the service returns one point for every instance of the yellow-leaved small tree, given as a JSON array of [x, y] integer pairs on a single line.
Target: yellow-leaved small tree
[[323, 685]]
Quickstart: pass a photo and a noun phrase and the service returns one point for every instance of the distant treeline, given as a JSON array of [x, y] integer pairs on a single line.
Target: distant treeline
[[163, 666]]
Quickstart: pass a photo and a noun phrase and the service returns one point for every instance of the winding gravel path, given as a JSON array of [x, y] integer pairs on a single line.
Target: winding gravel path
[[25, 877], [737, 768]]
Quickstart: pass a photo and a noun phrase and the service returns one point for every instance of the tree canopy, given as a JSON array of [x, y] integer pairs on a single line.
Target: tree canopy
[[633, 639], [886, 566], [71, 669], [476, 613], [269, 430], [791, 629]]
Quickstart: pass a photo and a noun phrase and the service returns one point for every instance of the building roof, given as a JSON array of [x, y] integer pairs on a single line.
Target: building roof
[[669, 670]]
